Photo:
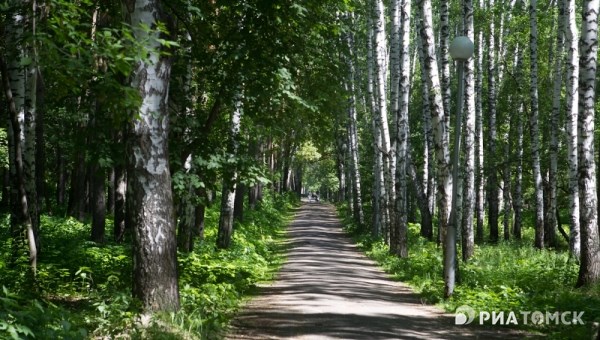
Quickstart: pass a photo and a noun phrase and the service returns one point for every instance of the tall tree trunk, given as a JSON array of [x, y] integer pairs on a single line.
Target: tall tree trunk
[[149, 196], [377, 209], [402, 136], [492, 166], [505, 25], [518, 191], [479, 146], [506, 178], [572, 112], [534, 129], [440, 136], [468, 235], [589, 269], [380, 118], [31, 113], [230, 180], [21, 222], [444, 62], [550, 217], [359, 216], [429, 184], [394, 62], [20, 89]]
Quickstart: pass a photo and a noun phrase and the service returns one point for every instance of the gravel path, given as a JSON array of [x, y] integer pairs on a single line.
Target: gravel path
[[328, 289]]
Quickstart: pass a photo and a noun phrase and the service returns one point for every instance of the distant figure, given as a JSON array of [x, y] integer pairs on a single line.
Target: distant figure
[[315, 197]]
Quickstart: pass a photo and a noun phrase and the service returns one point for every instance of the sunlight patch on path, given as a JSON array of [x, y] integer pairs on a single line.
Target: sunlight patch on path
[[327, 289]]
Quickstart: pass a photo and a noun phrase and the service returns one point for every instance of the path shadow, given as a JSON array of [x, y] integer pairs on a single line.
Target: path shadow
[[328, 289]]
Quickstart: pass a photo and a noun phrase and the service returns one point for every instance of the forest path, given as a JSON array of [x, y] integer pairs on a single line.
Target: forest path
[[328, 289]]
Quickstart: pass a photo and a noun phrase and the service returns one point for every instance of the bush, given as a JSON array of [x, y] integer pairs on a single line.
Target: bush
[[510, 276]]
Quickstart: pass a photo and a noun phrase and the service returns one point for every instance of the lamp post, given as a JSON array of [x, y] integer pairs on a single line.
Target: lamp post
[[461, 49]]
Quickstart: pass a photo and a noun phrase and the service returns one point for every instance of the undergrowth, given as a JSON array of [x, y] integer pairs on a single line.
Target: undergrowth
[[510, 276], [83, 290]]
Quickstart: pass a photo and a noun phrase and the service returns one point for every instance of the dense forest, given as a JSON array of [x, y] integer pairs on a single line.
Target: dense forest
[[152, 150]]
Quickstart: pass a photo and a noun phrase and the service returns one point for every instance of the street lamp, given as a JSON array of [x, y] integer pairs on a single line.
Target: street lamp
[[461, 49]]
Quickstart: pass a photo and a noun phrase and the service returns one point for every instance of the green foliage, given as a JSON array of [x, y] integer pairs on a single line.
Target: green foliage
[[83, 289], [214, 281], [511, 276], [24, 318]]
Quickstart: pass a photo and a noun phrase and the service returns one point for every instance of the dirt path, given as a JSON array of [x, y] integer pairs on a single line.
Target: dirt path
[[327, 289]]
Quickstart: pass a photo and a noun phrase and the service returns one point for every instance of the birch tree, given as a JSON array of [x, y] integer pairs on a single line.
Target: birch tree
[[518, 181], [572, 111], [20, 215], [402, 133], [550, 218], [353, 135], [149, 196], [492, 171], [534, 128], [380, 118], [428, 180], [439, 131], [20, 85], [479, 147], [589, 269], [468, 236], [378, 180], [230, 176]]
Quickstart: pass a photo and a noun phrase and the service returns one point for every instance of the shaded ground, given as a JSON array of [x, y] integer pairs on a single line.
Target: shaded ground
[[327, 289]]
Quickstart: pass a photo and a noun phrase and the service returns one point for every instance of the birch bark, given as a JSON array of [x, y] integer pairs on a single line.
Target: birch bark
[[149, 196], [572, 111], [589, 269]]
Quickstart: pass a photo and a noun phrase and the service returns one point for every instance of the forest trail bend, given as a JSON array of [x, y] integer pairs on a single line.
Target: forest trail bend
[[328, 289]]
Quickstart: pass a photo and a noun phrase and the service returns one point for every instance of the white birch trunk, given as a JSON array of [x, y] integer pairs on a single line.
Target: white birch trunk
[[505, 32], [589, 270], [230, 176], [439, 131], [534, 129], [377, 213], [550, 218], [444, 63], [394, 56], [149, 195], [506, 188], [23, 93], [518, 185], [381, 120], [402, 134], [572, 111], [429, 184], [394, 62], [468, 235], [359, 216], [479, 146]]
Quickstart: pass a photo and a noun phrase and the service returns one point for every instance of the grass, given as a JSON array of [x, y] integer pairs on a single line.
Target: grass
[[82, 289], [510, 276]]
